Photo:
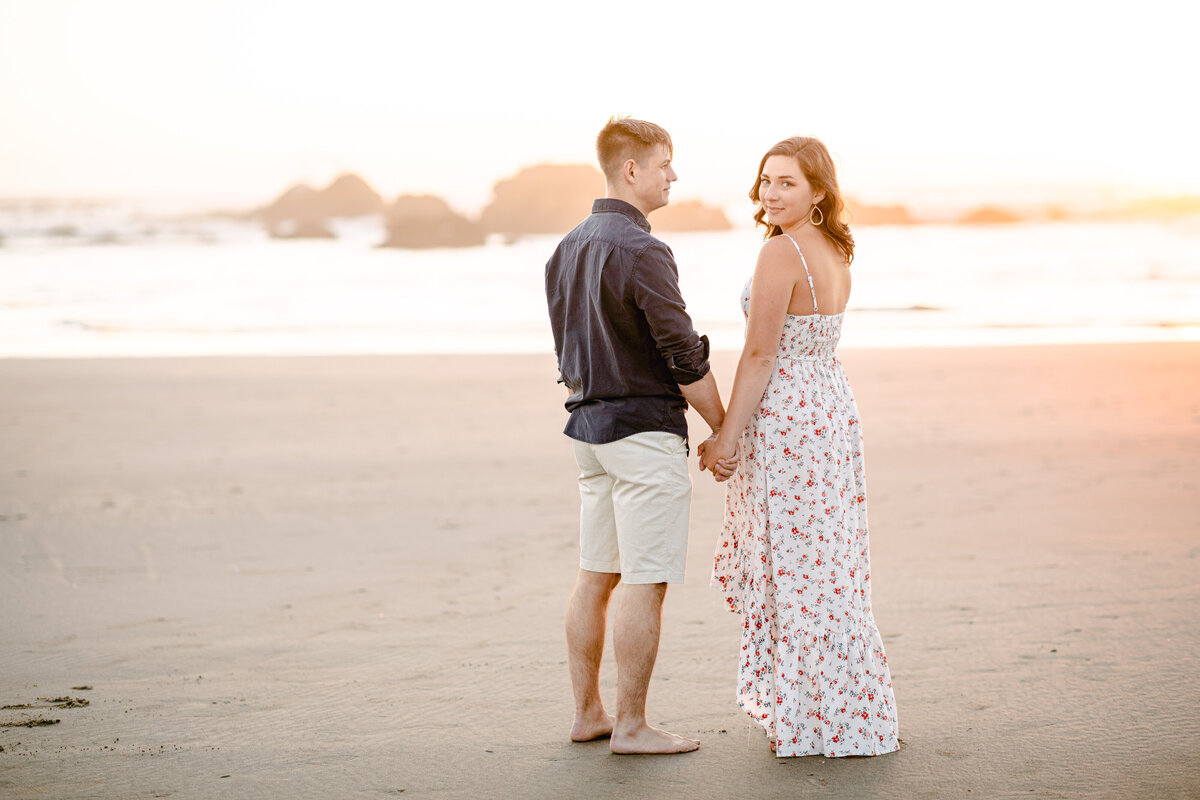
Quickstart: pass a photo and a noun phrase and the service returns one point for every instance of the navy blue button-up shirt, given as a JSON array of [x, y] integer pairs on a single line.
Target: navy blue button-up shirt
[[623, 339]]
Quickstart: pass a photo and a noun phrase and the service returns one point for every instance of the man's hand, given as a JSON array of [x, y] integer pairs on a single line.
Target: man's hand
[[719, 457]]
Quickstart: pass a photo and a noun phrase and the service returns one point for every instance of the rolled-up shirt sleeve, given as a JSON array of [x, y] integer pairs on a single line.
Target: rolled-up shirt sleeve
[[655, 288]]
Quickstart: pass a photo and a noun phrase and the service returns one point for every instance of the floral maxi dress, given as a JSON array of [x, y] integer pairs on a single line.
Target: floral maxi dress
[[792, 558]]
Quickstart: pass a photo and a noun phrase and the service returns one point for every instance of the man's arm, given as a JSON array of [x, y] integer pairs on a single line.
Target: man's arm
[[655, 290], [704, 396]]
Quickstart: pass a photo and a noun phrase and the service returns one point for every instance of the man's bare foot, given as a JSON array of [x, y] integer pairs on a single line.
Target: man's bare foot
[[587, 729], [647, 739]]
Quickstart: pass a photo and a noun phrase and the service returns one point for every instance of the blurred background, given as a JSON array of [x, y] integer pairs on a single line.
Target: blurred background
[[192, 178]]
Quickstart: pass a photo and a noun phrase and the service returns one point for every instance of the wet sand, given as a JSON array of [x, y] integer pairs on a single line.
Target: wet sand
[[320, 577]]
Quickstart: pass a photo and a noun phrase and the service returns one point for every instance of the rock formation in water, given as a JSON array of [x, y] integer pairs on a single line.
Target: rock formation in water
[[866, 214], [547, 198], [350, 196], [297, 202], [689, 215], [1164, 207], [989, 215], [554, 198], [305, 211], [421, 221]]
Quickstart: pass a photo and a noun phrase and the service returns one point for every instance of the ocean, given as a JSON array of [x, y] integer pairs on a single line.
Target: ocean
[[89, 286]]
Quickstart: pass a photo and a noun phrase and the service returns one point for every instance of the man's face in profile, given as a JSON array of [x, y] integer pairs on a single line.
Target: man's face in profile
[[653, 177]]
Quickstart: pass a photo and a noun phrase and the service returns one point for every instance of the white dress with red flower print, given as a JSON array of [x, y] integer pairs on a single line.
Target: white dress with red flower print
[[792, 558]]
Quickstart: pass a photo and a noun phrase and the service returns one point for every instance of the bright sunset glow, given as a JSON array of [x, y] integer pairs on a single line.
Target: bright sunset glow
[[232, 101]]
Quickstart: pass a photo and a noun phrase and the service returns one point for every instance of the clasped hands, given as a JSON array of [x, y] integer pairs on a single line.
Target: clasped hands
[[719, 457]]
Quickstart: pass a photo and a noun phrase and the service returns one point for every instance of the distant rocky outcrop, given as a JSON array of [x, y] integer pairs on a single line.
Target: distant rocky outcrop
[[554, 198], [297, 202], [1165, 207], [303, 208], [989, 215], [421, 221], [867, 214], [350, 196], [690, 215], [546, 198]]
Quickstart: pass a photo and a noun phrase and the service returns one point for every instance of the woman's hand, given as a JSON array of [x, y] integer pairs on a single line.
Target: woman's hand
[[719, 455]]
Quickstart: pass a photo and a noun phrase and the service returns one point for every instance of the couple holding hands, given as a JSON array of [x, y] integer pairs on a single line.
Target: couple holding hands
[[792, 556]]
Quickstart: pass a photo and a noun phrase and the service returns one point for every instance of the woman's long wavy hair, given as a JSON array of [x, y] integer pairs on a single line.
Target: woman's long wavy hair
[[818, 170]]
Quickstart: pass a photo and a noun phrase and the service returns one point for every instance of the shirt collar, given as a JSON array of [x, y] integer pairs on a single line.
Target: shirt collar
[[621, 207]]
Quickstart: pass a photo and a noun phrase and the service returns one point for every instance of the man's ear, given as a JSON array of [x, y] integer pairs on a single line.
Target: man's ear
[[629, 170]]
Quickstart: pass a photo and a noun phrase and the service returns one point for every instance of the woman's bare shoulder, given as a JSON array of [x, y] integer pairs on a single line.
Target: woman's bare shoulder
[[780, 243], [779, 250]]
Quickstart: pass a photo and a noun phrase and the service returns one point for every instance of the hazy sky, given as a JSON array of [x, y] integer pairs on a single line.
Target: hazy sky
[[233, 101]]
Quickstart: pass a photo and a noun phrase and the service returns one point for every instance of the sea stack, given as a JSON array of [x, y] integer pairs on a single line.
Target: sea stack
[[546, 198], [689, 215], [989, 215], [304, 212], [867, 214], [423, 221]]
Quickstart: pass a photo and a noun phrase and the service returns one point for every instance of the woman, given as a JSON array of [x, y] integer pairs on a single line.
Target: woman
[[792, 557]]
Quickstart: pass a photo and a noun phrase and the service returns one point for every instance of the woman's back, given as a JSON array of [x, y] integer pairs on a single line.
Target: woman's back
[[817, 259]]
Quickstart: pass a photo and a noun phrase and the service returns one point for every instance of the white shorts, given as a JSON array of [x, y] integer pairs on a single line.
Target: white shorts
[[635, 497]]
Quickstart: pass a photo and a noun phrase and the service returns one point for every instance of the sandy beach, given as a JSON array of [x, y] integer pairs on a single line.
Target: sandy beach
[[345, 577]]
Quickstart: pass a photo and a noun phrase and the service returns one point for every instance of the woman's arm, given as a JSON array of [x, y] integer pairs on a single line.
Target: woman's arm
[[770, 295]]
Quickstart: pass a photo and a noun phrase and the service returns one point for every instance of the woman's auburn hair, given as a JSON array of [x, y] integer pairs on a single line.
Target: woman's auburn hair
[[817, 166]]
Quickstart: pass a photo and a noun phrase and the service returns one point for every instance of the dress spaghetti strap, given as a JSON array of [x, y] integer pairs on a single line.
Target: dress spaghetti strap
[[806, 272]]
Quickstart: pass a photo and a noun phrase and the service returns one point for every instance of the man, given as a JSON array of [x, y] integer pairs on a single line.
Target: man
[[628, 353]]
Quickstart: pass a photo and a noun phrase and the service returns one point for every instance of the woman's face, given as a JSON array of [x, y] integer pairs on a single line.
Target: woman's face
[[784, 192]]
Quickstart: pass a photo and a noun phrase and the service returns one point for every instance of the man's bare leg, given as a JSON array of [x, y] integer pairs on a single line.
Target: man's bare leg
[[587, 611], [635, 640]]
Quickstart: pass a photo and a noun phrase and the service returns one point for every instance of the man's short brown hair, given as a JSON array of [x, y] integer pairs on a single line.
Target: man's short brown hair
[[624, 138]]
